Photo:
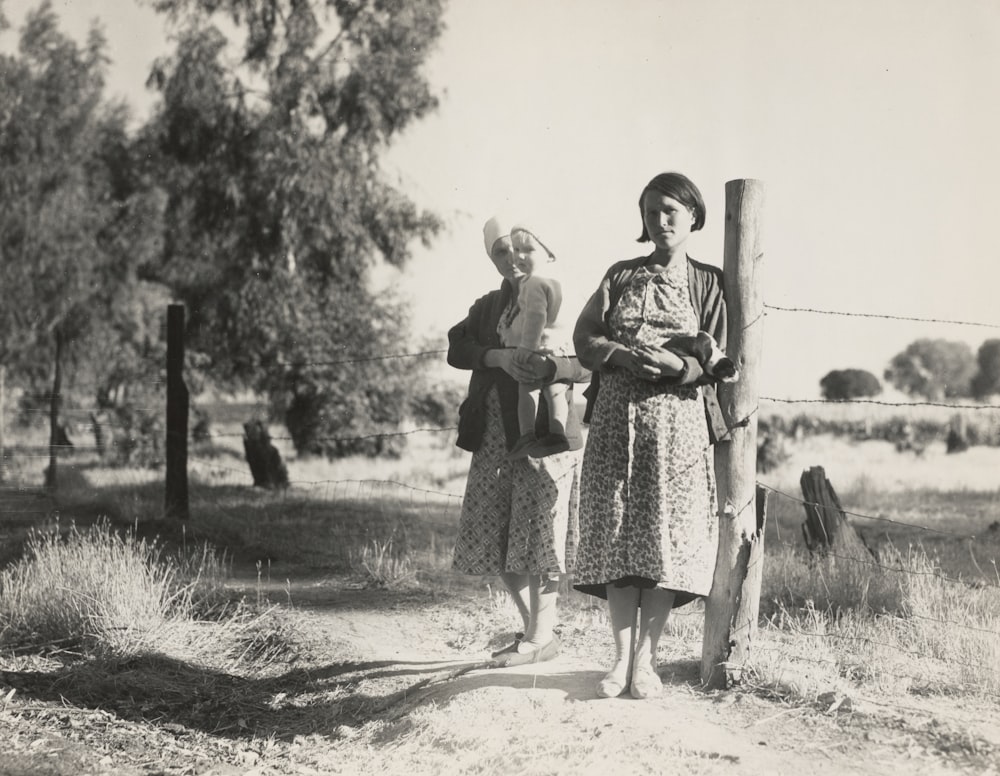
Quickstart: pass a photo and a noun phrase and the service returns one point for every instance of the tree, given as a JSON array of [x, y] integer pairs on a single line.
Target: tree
[[933, 369], [71, 225], [844, 384], [987, 378], [277, 207]]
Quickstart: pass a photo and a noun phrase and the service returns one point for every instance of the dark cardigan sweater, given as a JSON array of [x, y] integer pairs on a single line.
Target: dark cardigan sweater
[[594, 345], [468, 342]]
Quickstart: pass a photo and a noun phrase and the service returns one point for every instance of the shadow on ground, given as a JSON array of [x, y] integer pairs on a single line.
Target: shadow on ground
[[322, 700]]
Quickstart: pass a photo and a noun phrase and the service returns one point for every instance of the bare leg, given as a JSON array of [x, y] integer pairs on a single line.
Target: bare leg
[[555, 397], [654, 610], [543, 593], [527, 408], [517, 586], [623, 604]]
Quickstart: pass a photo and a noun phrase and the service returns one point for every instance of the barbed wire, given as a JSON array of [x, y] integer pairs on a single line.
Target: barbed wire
[[94, 411], [841, 664], [873, 563], [361, 359], [380, 435], [372, 481], [884, 403], [895, 647], [864, 516], [333, 482], [879, 315], [939, 621]]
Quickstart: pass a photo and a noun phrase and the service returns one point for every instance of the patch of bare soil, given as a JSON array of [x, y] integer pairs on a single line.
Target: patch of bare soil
[[393, 682]]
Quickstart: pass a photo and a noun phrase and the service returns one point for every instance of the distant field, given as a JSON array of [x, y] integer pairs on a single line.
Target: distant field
[[414, 501]]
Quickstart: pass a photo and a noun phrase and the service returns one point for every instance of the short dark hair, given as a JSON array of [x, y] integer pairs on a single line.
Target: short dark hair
[[679, 187]]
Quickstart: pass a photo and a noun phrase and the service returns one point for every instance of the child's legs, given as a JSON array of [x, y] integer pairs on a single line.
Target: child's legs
[[527, 408], [555, 398]]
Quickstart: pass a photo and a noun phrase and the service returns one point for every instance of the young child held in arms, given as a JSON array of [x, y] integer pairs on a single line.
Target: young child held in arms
[[533, 332]]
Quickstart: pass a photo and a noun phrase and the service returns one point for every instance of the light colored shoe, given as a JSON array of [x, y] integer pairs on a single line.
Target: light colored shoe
[[646, 683], [512, 647], [614, 683], [540, 655], [610, 687]]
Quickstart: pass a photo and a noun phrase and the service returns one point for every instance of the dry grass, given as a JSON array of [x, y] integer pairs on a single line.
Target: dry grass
[[899, 628], [893, 625], [95, 588]]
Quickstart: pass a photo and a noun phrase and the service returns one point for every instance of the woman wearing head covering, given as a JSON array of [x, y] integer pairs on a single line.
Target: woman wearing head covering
[[519, 517], [648, 514]]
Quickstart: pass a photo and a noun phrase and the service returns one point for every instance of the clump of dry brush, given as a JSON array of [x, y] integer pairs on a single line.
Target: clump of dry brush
[[108, 594]]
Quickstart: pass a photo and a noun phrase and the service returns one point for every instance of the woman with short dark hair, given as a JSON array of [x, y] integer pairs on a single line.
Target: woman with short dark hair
[[648, 514]]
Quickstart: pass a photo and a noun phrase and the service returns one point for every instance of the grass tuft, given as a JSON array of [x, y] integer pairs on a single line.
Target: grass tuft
[[383, 564], [108, 593]]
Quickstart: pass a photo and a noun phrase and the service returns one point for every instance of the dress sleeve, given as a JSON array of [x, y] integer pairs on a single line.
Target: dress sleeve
[[464, 350], [591, 336], [713, 321], [713, 312]]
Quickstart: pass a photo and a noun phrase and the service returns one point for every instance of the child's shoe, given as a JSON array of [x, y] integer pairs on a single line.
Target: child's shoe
[[550, 444], [522, 446]]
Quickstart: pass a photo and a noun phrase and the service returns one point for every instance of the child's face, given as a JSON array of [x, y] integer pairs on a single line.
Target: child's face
[[528, 254]]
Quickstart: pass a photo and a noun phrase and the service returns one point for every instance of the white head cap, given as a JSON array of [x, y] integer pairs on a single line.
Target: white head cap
[[493, 230]]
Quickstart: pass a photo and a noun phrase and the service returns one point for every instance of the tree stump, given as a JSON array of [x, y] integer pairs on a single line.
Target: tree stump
[[266, 465], [957, 440], [826, 529]]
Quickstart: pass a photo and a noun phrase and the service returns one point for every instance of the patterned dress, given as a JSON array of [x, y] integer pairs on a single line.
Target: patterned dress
[[517, 516], [648, 503]]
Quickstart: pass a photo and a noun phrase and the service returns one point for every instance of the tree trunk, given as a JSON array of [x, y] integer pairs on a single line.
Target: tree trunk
[[3, 407], [265, 461], [55, 402], [176, 484], [826, 529]]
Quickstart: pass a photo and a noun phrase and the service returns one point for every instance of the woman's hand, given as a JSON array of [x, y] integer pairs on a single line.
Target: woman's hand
[[523, 365], [665, 362], [649, 362], [631, 361]]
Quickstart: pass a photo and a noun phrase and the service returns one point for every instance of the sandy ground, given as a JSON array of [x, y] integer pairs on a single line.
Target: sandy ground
[[388, 691]]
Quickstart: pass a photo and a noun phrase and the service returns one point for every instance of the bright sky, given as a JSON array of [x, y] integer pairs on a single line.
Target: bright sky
[[872, 123]]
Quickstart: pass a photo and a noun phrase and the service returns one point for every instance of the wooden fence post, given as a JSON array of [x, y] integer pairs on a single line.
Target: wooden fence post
[[55, 404], [732, 606], [3, 407], [176, 497]]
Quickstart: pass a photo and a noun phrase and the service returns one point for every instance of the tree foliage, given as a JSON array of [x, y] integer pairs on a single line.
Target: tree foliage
[[933, 369], [277, 208], [987, 378], [844, 384], [74, 218]]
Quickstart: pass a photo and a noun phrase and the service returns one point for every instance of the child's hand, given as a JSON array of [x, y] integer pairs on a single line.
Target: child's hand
[[523, 356], [534, 369]]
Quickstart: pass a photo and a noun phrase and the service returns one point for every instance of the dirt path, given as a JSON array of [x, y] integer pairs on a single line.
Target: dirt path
[[546, 718], [380, 687]]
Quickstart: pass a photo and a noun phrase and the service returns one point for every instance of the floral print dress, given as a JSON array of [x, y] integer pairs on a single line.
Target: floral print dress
[[648, 502], [517, 516]]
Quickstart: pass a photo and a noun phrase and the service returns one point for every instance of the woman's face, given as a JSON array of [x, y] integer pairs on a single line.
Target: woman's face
[[667, 221], [502, 257]]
